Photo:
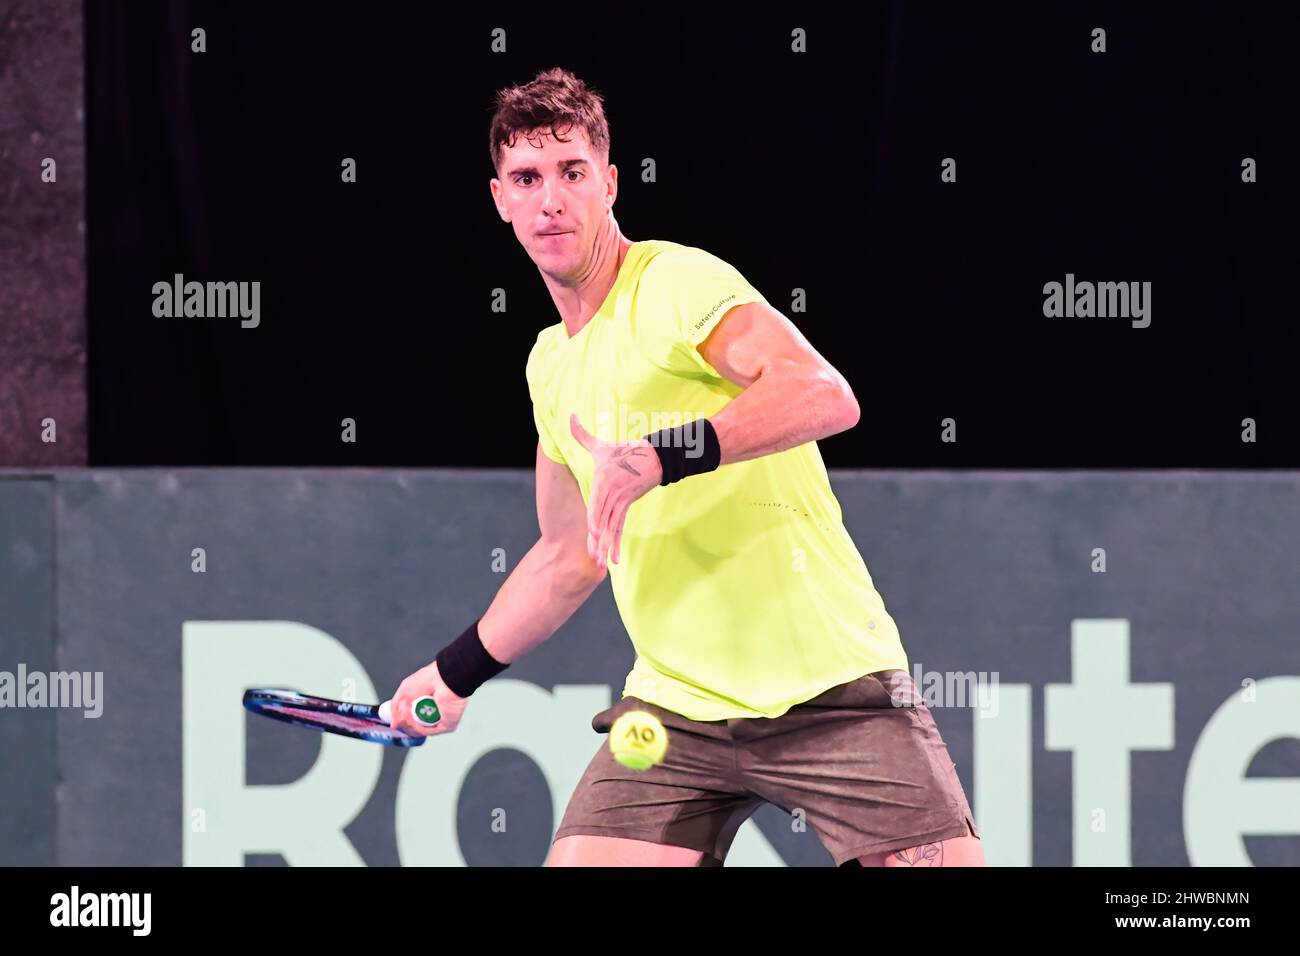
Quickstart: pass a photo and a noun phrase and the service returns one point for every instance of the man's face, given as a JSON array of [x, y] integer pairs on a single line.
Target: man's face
[[556, 196]]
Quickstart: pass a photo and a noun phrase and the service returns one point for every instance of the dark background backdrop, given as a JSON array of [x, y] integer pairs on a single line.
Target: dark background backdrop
[[818, 171]]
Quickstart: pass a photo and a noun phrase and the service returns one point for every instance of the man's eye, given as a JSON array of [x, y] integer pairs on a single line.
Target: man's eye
[[519, 180]]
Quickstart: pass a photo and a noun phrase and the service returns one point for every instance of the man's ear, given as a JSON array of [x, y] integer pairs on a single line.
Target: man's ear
[[501, 210]]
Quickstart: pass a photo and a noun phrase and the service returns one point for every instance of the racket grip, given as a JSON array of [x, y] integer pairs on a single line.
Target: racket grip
[[386, 711], [425, 711]]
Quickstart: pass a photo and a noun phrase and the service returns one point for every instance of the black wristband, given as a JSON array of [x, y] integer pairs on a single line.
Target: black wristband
[[670, 444], [465, 664]]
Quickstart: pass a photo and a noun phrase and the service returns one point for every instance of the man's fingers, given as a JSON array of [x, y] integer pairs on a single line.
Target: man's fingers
[[608, 514], [604, 502], [583, 436], [598, 524], [398, 705], [593, 536], [602, 548], [595, 510], [618, 519]]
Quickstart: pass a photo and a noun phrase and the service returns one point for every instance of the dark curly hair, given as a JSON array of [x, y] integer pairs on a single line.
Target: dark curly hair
[[556, 100]]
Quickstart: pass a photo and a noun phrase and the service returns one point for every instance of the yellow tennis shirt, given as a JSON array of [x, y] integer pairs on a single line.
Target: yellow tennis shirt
[[741, 589]]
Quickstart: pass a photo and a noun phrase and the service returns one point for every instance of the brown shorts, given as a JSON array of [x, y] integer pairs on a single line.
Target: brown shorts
[[870, 776]]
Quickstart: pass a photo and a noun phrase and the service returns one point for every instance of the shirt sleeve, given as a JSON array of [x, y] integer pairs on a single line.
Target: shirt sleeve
[[683, 295], [550, 448]]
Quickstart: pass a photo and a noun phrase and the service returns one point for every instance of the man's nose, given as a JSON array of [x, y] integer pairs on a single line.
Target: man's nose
[[551, 201]]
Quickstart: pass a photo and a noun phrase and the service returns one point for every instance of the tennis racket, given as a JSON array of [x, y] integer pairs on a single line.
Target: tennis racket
[[349, 719]]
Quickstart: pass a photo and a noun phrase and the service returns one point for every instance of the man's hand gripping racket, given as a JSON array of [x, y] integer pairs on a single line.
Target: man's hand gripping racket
[[424, 705]]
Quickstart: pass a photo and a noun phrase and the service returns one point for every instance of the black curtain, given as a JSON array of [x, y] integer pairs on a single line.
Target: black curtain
[[818, 171]]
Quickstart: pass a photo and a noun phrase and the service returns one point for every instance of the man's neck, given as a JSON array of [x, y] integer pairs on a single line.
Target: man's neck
[[578, 304]]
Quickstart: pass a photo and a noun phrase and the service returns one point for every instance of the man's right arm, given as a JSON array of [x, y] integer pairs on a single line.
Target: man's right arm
[[553, 579]]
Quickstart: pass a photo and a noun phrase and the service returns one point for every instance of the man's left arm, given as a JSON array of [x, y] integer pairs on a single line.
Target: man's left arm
[[791, 394]]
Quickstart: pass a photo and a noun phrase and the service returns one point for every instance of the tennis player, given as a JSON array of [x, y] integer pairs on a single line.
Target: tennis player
[[677, 414]]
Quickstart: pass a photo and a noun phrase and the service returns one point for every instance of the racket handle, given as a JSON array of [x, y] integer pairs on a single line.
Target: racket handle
[[425, 711], [386, 711]]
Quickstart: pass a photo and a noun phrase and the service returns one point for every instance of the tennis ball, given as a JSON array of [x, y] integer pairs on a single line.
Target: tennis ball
[[638, 740]]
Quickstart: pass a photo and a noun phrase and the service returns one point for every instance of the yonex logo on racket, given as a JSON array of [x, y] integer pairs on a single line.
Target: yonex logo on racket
[[426, 710]]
